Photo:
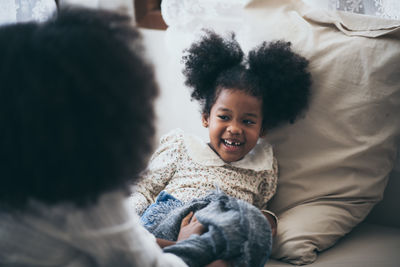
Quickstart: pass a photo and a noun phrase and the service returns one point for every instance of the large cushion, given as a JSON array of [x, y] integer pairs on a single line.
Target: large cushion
[[368, 245], [333, 163]]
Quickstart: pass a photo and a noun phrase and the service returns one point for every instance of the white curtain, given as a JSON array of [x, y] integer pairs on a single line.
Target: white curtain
[[185, 11], [188, 12], [12, 11], [389, 9]]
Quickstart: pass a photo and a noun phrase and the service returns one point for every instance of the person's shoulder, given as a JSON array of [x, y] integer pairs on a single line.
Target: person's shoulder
[[174, 136], [259, 159], [172, 142], [267, 156]]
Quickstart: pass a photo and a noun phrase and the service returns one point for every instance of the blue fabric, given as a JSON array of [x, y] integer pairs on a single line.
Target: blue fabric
[[237, 231], [159, 209]]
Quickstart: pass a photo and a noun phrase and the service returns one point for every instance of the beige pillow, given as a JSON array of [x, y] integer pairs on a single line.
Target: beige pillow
[[333, 163]]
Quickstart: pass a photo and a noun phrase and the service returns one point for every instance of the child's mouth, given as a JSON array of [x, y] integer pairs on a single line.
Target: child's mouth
[[232, 143]]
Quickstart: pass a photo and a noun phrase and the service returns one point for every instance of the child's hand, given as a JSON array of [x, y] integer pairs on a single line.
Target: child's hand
[[189, 226]]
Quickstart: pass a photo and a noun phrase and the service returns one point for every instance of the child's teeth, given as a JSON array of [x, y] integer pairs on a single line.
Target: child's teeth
[[232, 143]]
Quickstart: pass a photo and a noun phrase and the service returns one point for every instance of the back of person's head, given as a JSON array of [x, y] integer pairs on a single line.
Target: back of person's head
[[76, 107]]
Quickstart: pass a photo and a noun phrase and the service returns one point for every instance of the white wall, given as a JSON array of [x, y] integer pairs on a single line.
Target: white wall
[[173, 106]]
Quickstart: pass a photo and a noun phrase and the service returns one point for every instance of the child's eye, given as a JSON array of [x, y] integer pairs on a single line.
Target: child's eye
[[248, 122], [223, 117]]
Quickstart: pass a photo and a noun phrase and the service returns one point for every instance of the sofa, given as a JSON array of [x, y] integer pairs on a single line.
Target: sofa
[[344, 210], [375, 242]]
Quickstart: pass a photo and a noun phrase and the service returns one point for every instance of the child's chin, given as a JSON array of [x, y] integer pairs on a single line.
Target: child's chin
[[230, 159]]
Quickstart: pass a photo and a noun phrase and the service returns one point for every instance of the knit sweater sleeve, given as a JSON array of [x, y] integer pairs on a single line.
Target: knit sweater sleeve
[[161, 169], [105, 233]]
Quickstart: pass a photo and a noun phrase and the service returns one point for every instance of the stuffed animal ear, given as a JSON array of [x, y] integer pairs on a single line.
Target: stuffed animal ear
[[204, 119]]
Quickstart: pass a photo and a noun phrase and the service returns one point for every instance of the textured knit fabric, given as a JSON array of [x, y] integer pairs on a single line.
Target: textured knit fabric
[[186, 167], [237, 231], [157, 211], [106, 234]]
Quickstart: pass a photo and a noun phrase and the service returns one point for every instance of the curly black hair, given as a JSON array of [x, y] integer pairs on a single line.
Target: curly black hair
[[76, 107], [271, 71]]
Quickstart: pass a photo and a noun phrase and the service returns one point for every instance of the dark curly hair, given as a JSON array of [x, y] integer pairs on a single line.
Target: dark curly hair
[[76, 107], [272, 72]]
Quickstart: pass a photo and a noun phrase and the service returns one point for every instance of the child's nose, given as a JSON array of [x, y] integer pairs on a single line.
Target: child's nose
[[234, 128]]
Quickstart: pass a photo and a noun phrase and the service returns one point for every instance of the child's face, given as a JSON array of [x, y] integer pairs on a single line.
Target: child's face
[[234, 123]]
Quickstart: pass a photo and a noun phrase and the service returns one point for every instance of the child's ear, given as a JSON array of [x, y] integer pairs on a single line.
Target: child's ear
[[204, 119], [263, 132]]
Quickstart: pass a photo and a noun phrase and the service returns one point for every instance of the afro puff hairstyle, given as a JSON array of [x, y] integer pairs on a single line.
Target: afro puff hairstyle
[[76, 108], [272, 72]]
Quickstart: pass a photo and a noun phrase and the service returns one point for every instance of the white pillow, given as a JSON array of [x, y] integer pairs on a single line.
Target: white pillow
[[333, 163]]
